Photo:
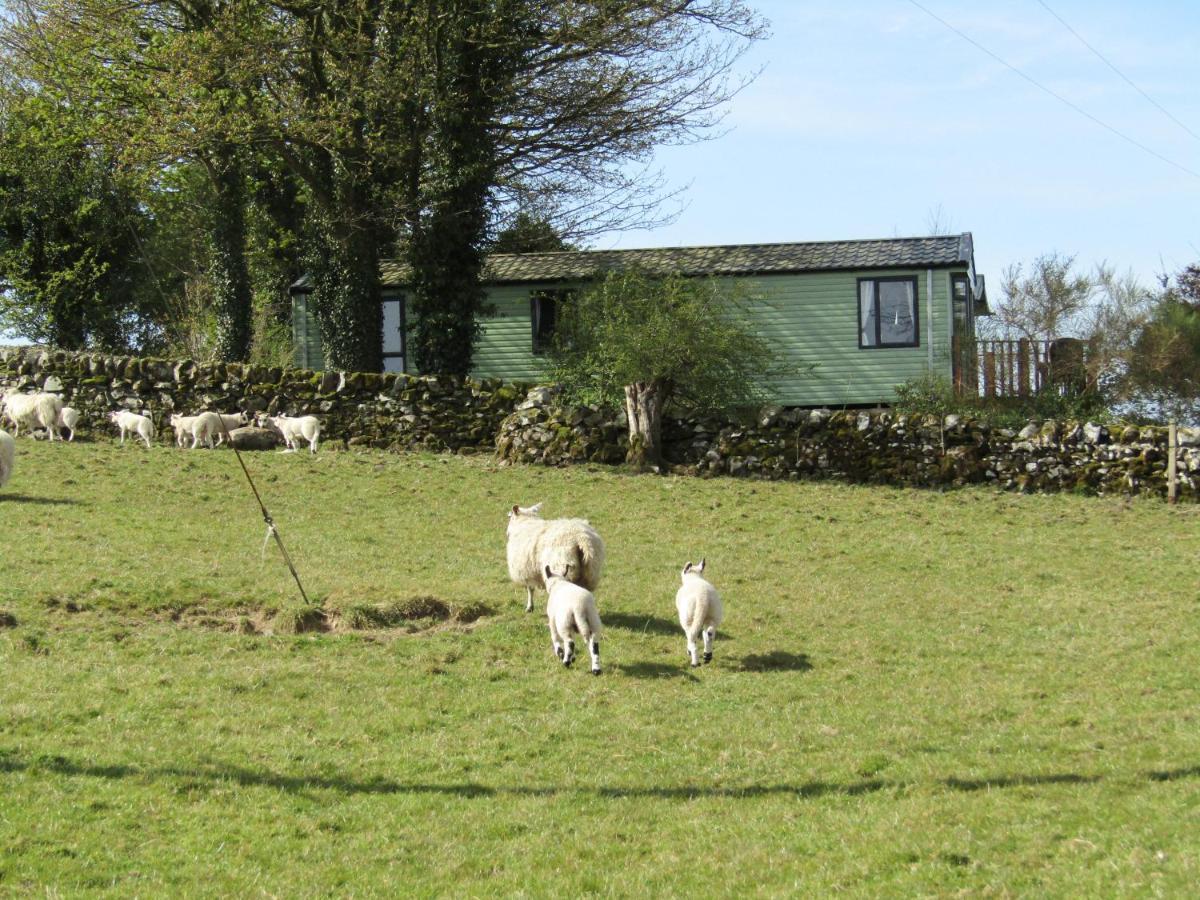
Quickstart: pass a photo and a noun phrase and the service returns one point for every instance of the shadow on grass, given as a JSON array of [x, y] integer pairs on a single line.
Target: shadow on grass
[[41, 501], [219, 773], [641, 623], [1008, 781], [658, 670], [775, 661]]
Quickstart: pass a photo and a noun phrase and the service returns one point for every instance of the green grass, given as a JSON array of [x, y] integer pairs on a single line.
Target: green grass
[[913, 693]]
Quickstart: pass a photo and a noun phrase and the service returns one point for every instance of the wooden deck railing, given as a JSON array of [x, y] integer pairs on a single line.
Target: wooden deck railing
[[1001, 368]]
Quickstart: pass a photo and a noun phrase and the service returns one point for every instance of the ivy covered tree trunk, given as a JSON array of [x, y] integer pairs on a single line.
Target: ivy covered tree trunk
[[644, 401], [348, 300], [228, 269]]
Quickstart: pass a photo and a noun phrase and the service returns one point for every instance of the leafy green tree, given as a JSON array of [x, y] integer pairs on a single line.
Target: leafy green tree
[[1164, 364], [529, 233], [70, 232], [647, 342]]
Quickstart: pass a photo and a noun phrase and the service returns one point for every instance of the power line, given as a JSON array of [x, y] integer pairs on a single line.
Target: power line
[[1057, 96], [1123, 76]]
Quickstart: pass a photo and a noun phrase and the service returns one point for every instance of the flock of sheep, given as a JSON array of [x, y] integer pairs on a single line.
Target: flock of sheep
[[41, 410], [562, 556], [565, 556]]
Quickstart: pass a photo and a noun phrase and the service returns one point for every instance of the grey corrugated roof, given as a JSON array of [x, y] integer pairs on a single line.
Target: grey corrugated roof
[[735, 259]]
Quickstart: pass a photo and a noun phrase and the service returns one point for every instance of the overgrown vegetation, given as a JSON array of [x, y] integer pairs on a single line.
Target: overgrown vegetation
[[914, 693]]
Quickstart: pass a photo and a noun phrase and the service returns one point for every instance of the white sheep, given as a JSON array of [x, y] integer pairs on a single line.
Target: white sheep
[[226, 422], [293, 428], [8, 453], [571, 609], [699, 607], [202, 428], [68, 418], [571, 546], [132, 423], [38, 410]]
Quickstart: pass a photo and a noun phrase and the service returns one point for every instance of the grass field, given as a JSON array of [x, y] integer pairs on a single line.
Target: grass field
[[913, 693]]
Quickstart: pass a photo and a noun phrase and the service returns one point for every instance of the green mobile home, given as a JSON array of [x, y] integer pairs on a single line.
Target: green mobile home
[[856, 318]]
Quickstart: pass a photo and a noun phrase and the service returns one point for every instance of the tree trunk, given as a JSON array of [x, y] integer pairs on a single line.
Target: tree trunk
[[228, 268], [643, 407]]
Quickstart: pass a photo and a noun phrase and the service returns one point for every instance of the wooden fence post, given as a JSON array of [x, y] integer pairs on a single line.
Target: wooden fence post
[[989, 373], [1172, 443], [1023, 367]]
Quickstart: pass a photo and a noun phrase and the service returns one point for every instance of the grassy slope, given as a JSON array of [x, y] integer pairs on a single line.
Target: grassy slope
[[915, 692]]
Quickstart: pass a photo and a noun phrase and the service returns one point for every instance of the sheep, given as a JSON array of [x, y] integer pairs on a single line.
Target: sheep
[[37, 410], [202, 428], [132, 423], [68, 418], [571, 609], [293, 428], [8, 452], [699, 607], [226, 422], [571, 546]]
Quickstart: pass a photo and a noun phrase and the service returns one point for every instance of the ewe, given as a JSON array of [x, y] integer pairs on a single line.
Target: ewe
[[699, 607], [570, 610], [295, 428], [8, 452], [68, 418], [132, 423], [33, 411], [202, 428], [571, 546]]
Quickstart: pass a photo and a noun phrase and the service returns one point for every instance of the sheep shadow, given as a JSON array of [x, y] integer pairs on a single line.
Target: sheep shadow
[[775, 661], [40, 501], [644, 624], [657, 670], [641, 622]]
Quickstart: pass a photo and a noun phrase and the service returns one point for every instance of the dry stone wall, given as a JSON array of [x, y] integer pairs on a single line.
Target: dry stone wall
[[868, 448], [401, 412], [389, 410]]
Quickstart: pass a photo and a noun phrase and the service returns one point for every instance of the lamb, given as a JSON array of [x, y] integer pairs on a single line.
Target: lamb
[[68, 418], [294, 428], [8, 452], [571, 609], [699, 607], [203, 428], [226, 422], [37, 410], [571, 546], [132, 423]]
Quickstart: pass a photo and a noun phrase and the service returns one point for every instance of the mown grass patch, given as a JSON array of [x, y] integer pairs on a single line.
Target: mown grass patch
[[913, 693]]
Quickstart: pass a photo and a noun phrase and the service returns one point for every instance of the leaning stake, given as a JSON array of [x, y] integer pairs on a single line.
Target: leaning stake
[[272, 531]]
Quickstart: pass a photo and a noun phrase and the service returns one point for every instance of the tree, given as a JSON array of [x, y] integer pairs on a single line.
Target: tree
[[529, 233], [70, 232], [1043, 305], [647, 342], [1164, 360]]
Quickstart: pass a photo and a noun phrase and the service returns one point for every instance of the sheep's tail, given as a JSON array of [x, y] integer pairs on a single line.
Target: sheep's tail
[[589, 553], [587, 620]]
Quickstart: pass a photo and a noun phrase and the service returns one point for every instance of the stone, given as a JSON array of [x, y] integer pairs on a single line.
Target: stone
[[1095, 434], [1029, 432], [52, 385], [249, 437]]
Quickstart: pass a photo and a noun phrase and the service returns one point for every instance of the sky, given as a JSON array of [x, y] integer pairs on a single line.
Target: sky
[[870, 119]]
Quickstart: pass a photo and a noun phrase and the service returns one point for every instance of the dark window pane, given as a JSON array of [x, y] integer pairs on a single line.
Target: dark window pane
[[897, 319]]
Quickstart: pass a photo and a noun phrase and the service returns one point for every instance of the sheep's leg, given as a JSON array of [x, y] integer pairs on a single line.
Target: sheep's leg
[[146, 438], [693, 653], [570, 653], [709, 634], [528, 599], [555, 641], [594, 647]]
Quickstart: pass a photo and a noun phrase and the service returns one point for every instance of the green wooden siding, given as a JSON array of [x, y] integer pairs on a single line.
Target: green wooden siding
[[810, 318], [306, 334]]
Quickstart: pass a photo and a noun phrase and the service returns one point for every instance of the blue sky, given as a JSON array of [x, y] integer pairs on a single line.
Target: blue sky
[[869, 115]]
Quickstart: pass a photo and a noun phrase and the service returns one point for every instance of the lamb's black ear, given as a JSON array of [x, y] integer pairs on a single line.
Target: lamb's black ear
[[700, 568], [687, 567], [549, 574]]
